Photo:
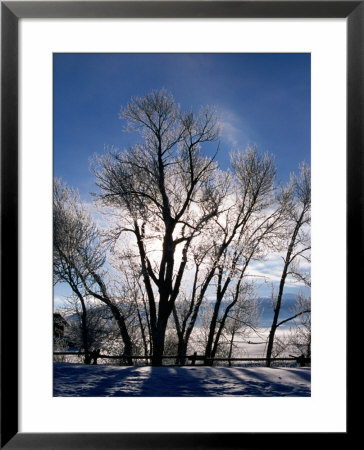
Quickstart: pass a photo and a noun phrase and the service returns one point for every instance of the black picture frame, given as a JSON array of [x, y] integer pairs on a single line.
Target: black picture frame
[[11, 12]]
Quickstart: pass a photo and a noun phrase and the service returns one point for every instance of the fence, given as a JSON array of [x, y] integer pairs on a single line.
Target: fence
[[300, 360]]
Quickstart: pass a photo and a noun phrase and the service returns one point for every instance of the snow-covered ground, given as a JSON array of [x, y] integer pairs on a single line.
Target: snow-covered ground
[[77, 380]]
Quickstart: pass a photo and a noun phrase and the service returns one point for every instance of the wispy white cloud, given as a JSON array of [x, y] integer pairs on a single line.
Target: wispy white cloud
[[235, 130]]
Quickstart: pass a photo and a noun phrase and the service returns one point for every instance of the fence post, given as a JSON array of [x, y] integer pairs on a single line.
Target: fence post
[[193, 359], [94, 355]]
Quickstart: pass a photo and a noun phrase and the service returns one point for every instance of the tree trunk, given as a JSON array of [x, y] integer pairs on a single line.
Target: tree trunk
[[182, 352], [128, 348], [158, 346], [276, 315], [210, 339], [116, 314], [287, 262], [144, 339], [271, 341], [84, 328], [159, 334], [231, 347], [222, 322], [87, 359]]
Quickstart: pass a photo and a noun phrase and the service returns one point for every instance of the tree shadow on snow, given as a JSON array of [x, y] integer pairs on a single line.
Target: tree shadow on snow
[[174, 382], [96, 381], [261, 384], [140, 381]]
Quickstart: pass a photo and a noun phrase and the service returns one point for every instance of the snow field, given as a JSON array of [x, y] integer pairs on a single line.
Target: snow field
[[78, 380]]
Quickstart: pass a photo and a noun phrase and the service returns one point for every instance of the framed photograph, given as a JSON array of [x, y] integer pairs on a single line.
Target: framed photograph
[[156, 203]]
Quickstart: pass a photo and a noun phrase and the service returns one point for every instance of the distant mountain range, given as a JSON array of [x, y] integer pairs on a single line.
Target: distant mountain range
[[266, 309]]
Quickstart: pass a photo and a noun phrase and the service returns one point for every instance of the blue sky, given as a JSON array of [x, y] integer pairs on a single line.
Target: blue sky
[[261, 99]]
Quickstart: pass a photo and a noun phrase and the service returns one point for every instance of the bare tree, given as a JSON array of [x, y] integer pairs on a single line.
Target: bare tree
[[300, 334], [78, 258], [243, 231], [99, 331], [181, 234], [131, 290], [242, 318], [249, 228], [67, 236], [297, 201], [296, 338], [187, 308], [165, 188]]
